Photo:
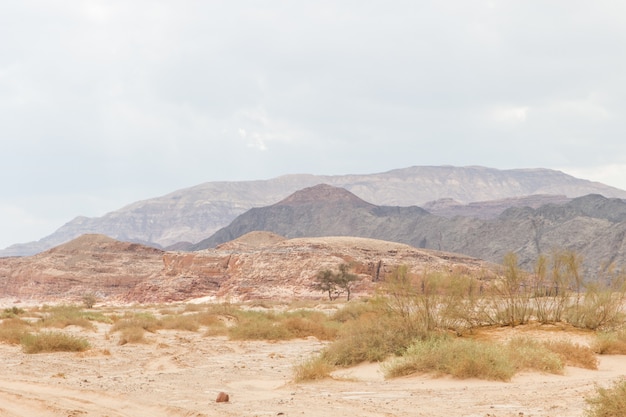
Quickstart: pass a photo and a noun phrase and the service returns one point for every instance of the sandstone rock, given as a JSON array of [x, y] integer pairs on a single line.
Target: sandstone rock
[[259, 266], [222, 397]]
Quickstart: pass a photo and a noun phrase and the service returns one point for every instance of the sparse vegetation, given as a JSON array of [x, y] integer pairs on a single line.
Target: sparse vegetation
[[12, 330], [608, 402], [461, 358], [573, 354], [610, 343], [257, 325], [70, 315], [11, 312], [312, 369], [53, 342]]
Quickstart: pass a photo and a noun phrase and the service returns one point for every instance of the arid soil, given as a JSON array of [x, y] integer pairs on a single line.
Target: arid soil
[[180, 373]]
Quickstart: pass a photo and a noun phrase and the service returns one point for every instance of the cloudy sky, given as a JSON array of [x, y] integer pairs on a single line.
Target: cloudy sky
[[103, 103]]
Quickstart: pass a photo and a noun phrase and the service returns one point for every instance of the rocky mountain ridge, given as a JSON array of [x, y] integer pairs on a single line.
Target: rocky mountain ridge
[[593, 226], [194, 213]]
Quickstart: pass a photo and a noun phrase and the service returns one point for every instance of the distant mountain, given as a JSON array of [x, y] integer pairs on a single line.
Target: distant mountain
[[593, 226], [193, 214]]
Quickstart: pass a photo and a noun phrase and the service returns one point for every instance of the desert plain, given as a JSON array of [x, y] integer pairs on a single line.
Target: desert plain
[[180, 373]]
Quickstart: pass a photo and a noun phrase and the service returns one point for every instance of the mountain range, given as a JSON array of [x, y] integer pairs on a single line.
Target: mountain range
[[188, 216], [593, 226]]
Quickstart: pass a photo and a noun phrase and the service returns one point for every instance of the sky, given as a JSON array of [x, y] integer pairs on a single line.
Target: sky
[[103, 103]]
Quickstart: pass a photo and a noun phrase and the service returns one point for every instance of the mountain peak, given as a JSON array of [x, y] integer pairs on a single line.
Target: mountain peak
[[321, 193]]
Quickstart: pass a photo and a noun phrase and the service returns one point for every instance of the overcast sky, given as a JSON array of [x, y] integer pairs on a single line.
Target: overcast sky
[[103, 103]]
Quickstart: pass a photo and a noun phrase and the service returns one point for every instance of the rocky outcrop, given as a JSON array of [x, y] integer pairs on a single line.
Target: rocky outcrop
[[259, 265], [90, 264], [196, 213]]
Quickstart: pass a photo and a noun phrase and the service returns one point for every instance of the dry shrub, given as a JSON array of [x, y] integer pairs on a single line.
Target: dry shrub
[[529, 354], [355, 309], [608, 402], [215, 325], [53, 342], [372, 337], [70, 315], [573, 354], [188, 322], [12, 330], [460, 358], [11, 312], [304, 323], [133, 334], [193, 308], [146, 321], [209, 319], [258, 326], [312, 369], [610, 343], [65, 315]]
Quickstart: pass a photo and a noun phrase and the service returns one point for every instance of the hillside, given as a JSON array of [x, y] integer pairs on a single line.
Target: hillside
[[193, 214], [593, 226], [257, 265]]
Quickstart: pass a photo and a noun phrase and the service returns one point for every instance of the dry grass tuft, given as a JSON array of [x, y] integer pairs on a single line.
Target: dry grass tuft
[[371, 337], [187, 322], [608, 402], [132, 334], [573, 354], [12, 330], [529, 354], [146, 321], [70, 315], [53, 342], [460, 358], [610, 343], [312, 370]]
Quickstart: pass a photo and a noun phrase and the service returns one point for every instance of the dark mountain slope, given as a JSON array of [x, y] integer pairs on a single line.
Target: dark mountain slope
[[593, 226], [321, 210]]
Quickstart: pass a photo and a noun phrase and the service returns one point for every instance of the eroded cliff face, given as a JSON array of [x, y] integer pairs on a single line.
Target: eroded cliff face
[[90, 264], [286, 270], [256, 266]]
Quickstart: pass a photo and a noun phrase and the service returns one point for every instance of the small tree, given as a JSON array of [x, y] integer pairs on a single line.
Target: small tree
[[325, 282], [345, 280], [335, 283], [89, 300]]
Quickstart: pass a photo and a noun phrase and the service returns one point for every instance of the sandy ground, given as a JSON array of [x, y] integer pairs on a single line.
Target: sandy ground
[[180, 374]]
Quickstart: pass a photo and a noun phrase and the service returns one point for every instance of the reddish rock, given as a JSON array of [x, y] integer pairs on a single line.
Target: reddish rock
[[222, 397], [255, 266]]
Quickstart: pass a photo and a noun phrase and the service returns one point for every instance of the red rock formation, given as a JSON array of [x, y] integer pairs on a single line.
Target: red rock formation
[[258, 265]]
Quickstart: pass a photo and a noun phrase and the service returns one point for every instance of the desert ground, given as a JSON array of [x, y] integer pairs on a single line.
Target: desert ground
[[180, 373]]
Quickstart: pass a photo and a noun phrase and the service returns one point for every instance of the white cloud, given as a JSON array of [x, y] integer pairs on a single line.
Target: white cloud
[[509, 114], [99, 95]]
